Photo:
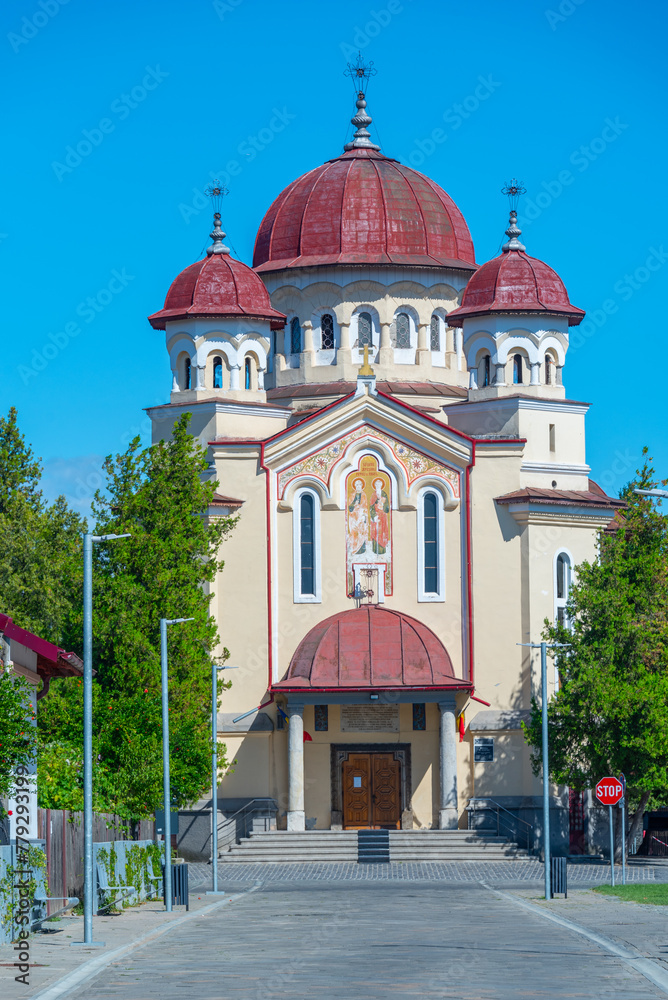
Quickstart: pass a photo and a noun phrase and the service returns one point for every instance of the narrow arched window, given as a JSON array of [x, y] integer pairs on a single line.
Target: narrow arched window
[[403, 330], [307, 545], [562, 586], [435, 338], [295, 337], [248, 374], [218, 373], [187, 374], [486, 371], [364, 330], [430, 542], [518, 371], [548, 370], [327, 332]]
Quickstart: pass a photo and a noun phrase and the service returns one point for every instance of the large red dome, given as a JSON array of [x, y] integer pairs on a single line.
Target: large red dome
[[515, 283], [363, 208], [216, 286]]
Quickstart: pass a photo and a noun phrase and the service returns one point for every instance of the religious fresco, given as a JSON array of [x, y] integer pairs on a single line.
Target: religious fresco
[[369, 523], [413, 462]]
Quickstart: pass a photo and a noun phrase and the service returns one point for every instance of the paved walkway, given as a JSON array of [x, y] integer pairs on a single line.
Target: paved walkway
[[369, 939]]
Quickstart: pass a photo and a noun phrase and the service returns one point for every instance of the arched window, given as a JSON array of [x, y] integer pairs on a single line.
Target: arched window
[[403, 327], [327, 332], [187, 374], [562, 586], [435, 334], [431, 577], [295, 337], [548, 370], [518, 370], [364, 330], [218, 372], [486, 371], [306, 531], [306, 544], [248, 374]]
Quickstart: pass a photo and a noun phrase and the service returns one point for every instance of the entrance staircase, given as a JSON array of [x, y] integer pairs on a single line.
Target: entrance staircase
[[346, 846]]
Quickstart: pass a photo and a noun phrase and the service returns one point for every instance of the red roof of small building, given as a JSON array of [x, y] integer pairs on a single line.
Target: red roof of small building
[[217, 286], [515, 283], [592, 497], [52, 661], [363, 208], [370, 647]]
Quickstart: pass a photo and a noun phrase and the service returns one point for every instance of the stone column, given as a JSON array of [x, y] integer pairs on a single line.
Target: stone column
[[473, 378], [535, 372], [500, 373], [296, 819], [386, 353], [343, 354], [234, 376], [175, 380], [448, 816], [423, 355], [307, 330]]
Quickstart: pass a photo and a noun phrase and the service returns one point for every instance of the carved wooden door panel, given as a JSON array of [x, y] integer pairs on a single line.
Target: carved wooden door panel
[[386, 791], [357, 792]]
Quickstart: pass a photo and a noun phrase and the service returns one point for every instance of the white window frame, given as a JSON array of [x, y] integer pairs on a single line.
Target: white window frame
[[561, 602], [298, 597], [424, 596]]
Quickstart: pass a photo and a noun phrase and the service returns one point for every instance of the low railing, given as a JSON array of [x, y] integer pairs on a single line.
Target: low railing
[[506, 823], [233, 828]]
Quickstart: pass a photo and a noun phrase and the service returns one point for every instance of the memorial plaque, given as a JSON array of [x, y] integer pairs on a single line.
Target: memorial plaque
[[483, 749], [369, 718]]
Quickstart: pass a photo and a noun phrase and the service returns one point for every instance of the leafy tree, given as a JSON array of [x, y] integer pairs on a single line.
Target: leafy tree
[[40, 544], [159, 497], [610, 715], [18, 736]]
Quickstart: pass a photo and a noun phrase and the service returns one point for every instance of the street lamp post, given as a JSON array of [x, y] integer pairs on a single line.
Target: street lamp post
[[164, 622], [88, 541], [662, 494], [214, 776], [543, 646]]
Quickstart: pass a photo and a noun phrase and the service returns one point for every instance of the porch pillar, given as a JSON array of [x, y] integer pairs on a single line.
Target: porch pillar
[[296, 767], [448, 816]]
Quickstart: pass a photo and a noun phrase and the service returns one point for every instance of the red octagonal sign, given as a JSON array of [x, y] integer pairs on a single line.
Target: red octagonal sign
[[609, 791]]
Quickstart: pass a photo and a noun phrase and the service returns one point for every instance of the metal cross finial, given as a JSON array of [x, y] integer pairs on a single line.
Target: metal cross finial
[[513, 189], [216, 192], [366, 371], [360, 74]]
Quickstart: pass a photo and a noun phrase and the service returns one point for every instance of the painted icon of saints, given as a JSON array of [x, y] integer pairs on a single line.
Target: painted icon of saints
[[358, 518], [379, 510]]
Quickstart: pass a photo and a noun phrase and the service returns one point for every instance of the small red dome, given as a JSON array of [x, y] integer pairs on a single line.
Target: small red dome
[[515, 283], [370, 647], [217, 286], [363, 208]]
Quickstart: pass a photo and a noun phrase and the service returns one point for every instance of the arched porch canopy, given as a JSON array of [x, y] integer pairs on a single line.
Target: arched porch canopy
[[370, 648]]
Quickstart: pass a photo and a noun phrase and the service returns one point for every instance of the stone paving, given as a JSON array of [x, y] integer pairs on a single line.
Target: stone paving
[[507, 872], [369, 940]]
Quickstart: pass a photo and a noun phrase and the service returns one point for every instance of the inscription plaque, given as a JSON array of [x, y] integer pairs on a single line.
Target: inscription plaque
[[369, 718]]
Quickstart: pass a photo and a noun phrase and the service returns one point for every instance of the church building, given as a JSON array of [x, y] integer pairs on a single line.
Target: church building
[[390, 421]]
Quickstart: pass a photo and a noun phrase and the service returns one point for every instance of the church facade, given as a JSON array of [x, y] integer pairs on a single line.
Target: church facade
[[390, 421]]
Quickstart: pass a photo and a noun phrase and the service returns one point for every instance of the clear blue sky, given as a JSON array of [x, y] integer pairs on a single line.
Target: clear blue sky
[[173, 91]]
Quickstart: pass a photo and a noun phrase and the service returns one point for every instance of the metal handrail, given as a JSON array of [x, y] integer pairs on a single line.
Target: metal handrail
[[515, 819], [245, 809]]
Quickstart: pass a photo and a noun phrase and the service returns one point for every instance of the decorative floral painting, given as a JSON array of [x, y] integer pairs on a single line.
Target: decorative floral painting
[[369, 523]]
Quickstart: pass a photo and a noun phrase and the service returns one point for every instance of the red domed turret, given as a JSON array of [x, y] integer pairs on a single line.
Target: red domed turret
[[515, 283], [217, 286]]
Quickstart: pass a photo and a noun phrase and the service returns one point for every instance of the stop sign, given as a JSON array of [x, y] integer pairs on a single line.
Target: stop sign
[[609, 791]]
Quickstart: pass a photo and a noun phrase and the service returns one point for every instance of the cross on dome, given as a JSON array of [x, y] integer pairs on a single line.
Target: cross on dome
[[360, 73], [216, 193], [513, 189]]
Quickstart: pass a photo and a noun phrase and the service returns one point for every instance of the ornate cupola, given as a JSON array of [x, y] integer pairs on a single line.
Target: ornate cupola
[[515, 315], [218, 321]]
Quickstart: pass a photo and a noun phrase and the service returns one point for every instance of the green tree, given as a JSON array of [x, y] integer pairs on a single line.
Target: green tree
[[158, 496], [40, 544], [18, 736], [610, 715]]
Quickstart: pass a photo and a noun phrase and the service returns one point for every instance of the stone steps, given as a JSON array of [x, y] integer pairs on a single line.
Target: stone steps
[[342, 846]]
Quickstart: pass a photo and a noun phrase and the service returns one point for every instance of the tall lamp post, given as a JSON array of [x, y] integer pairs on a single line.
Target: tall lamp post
[[214, 776], [88, 541], [164, 622], [543, 646]]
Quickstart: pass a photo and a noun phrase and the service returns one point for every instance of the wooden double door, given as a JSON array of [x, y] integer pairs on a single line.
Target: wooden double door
[[371, 792]]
